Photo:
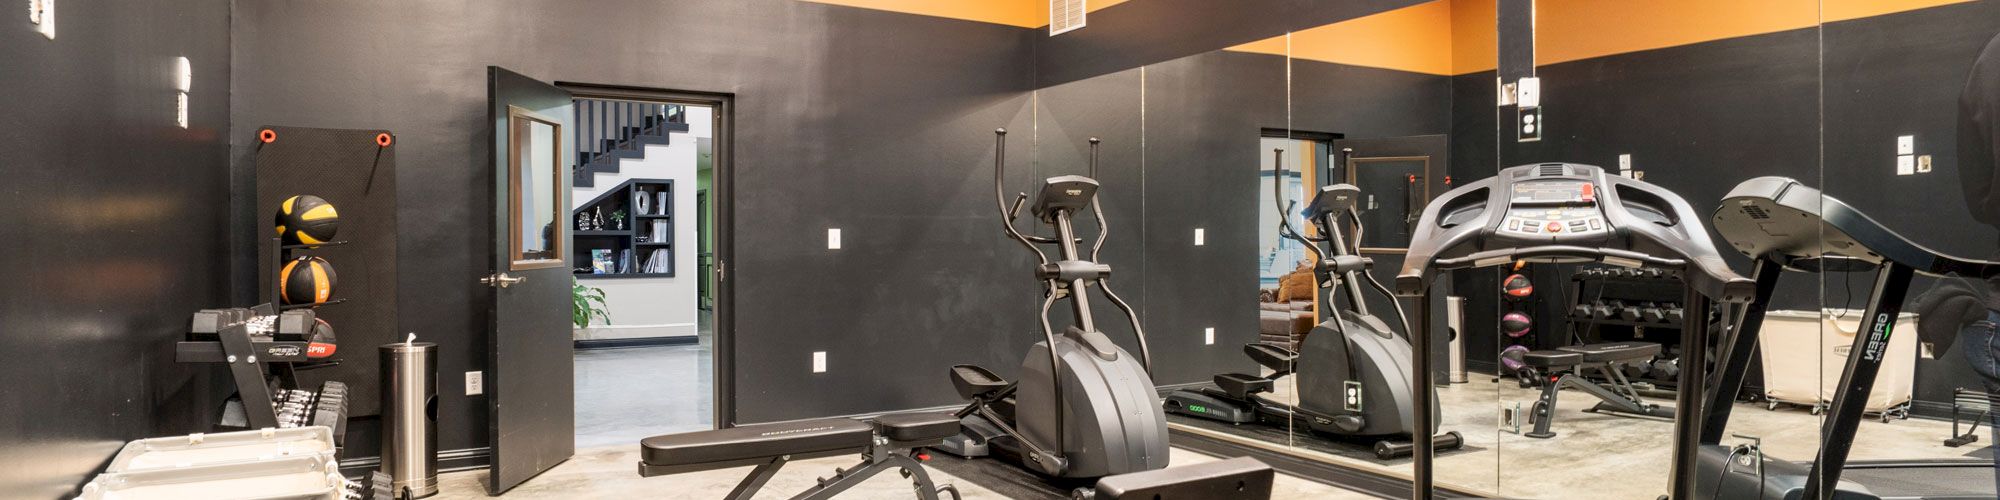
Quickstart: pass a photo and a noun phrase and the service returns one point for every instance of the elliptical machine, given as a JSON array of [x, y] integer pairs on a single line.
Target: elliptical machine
[[1353, 371], [1098, 413]]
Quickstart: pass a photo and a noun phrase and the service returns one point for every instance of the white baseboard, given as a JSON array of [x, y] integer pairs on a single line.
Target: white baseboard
[[610, 332]]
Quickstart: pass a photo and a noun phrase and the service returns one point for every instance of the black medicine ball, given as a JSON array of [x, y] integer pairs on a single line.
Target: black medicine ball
[[306, 280], [1516, 324], [307, 220], [1517, 286]]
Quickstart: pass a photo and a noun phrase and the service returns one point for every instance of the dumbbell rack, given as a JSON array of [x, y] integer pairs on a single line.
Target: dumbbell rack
[[1602, 296]]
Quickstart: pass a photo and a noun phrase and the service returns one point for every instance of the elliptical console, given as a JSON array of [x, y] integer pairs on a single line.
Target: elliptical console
[[1571, 213]]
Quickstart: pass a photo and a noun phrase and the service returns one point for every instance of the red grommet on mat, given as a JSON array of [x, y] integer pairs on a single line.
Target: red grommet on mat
[[267, 136], [384, 139]]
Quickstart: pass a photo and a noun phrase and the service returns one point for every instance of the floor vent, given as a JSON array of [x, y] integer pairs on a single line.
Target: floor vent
[[1065, 16]]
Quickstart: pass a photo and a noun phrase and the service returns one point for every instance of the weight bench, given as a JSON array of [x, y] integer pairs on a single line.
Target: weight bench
[[1565, 366], [884, 443]]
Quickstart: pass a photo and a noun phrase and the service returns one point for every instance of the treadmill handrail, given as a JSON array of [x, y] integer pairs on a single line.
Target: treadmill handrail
[[1546, 251]]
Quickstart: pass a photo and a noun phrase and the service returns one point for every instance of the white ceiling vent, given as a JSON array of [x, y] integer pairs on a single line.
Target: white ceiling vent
[[1065, 16]]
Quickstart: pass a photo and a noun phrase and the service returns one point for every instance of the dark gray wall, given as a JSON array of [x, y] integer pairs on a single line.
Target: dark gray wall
[[113, 233], [873, 122]]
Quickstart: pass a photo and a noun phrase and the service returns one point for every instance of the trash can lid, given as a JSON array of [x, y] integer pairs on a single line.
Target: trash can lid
[[408, 346]]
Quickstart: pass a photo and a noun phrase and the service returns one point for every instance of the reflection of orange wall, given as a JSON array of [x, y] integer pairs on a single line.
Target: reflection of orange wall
[[1415, 38], [1023, 13], [1569, 30]]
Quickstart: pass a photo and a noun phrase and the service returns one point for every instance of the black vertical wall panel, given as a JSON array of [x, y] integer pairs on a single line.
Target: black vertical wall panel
[[112, 234]]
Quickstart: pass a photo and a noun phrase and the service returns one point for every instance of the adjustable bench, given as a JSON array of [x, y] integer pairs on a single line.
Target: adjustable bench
[[884, 443], [1565, 366]]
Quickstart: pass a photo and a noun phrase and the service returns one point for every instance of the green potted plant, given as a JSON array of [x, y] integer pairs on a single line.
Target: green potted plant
[[618, 219], [589, 304]]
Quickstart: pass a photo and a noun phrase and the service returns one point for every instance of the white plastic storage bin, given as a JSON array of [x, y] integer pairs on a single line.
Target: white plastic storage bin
[[1804, 353]]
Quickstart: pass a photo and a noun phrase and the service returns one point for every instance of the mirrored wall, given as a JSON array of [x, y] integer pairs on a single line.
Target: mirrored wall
[[1265, 198]]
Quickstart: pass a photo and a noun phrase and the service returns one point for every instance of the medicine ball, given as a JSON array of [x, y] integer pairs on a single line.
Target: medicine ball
[[323, 343], [1517, 286], [1516, 325], [307, 220], [306, 280], [1511, 357]]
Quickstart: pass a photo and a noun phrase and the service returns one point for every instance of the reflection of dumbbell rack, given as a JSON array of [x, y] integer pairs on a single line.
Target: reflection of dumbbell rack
[[1612, 304]]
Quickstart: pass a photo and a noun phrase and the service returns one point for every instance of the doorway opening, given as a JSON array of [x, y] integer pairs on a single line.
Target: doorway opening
[[650, 206], [1287, 302]]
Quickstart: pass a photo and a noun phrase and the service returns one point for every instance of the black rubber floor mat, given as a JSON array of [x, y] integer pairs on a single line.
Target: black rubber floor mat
[[1363, 450]]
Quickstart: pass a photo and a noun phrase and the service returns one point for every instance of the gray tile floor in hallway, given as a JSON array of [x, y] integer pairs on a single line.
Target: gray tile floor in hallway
[[624, 395]]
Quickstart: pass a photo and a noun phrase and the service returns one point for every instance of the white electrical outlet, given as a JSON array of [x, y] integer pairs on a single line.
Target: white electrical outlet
[[1200, 237], [1624, 163], [833, 239], [819, 361], [1208, 336], [1906, 145], [1906, 164], [475, 383]]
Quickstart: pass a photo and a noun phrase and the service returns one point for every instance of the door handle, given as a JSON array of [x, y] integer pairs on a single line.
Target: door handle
[[502, 280]]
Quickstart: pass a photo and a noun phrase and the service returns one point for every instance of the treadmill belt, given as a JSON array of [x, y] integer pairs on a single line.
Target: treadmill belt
[[1925, 481], [1359, 450]]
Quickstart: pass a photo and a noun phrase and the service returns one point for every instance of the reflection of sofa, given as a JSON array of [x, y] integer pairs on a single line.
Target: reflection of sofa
[[1283, 323]]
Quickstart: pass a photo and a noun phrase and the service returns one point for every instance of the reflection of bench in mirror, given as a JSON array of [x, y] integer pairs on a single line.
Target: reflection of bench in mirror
[[886, 443], [1565, 367]]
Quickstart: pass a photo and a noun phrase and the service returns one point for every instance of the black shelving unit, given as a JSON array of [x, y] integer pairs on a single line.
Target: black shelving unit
[[646, 234]]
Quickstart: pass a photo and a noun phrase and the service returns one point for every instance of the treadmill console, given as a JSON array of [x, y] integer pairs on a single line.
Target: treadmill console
[[1566, 212], [1556, 208]]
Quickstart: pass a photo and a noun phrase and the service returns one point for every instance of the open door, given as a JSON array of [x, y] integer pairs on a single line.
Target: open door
[[530, 390]]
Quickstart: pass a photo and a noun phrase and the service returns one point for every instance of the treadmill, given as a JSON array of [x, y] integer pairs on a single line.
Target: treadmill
[[1784, 225], [1569, 213]]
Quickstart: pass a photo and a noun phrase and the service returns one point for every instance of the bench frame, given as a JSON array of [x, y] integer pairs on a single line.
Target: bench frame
[[881, 454], [1621, 397]]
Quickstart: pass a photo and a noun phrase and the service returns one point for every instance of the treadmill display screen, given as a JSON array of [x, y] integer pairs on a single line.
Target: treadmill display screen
[[1553, 192]]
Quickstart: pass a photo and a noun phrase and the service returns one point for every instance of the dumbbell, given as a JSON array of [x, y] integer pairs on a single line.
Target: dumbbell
[[1628, 312], [1602, 310], [1580, 311], [1675, 314], [1652, 313], [1667, 368]]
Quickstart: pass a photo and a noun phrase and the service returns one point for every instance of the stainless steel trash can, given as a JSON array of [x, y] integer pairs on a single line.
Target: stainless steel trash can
[[409, 416]]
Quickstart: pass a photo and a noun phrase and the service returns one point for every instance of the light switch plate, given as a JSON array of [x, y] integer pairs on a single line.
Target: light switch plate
[[819, 361], [475, 383], [1200, 236], [1208, 336], [833, 238], [1906, 145], [1906, 164], [1530, 92], [1624, 162]]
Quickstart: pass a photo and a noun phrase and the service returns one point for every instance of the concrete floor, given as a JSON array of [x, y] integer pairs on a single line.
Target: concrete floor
[[1602, 455], [614, 413]]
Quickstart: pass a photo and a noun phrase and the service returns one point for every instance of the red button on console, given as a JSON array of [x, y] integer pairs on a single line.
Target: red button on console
[[1555, 227]]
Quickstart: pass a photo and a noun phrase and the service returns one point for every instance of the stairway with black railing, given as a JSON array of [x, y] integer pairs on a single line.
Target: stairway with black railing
[[610, 130]]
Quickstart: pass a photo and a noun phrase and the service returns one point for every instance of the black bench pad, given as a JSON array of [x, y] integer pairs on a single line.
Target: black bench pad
[[1615, 351], [917, 426], [1548, 359], [753, 441]]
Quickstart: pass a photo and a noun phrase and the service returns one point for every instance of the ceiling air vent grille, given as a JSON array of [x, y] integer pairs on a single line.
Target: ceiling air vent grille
[[1065, 16]]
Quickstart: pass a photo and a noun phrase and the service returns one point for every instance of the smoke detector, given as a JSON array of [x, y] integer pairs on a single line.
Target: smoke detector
[[1065, 16]]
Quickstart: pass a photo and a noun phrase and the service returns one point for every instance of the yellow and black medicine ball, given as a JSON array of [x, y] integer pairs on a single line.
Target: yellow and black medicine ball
[[307, 220], [306, 280]]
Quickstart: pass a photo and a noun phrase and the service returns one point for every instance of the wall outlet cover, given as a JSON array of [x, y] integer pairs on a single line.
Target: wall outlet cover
[[833, 238], [819, 361], [1200, 236], [1208, 336], [1906, 145], [1906, 164], [475, 383]]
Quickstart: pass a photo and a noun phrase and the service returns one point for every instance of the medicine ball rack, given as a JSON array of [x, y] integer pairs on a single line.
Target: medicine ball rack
[[264, 347]]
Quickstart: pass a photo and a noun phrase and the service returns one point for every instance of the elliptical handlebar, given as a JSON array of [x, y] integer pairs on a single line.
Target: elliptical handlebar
[[1007, 216], [1285, 208]]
